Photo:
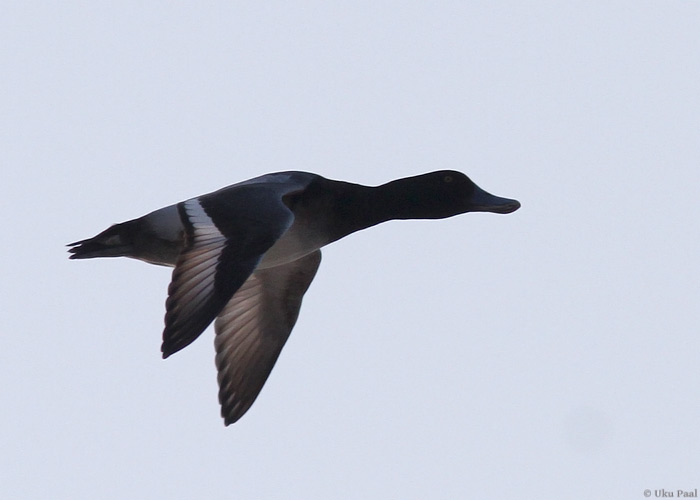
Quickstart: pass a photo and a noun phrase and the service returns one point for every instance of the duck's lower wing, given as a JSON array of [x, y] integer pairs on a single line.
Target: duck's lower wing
[[253, 327]]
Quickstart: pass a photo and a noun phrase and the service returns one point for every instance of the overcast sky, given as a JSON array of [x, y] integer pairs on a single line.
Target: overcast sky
[[553, 352]]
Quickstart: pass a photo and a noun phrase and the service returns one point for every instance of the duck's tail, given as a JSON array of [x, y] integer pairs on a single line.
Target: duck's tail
[[118, 240]]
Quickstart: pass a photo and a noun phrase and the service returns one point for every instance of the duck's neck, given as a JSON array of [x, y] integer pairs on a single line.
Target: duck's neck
[[358, 207]]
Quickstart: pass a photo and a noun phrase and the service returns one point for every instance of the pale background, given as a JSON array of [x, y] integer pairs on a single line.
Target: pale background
[[550, 353]]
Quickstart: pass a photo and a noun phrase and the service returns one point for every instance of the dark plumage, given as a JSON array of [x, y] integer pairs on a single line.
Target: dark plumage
[[246, 254]]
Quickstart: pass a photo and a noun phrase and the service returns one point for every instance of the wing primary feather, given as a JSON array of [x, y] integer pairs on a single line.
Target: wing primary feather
[[254, 326]]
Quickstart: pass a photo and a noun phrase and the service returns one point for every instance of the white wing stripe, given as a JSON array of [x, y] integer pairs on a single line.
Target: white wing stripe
[[196, 213]]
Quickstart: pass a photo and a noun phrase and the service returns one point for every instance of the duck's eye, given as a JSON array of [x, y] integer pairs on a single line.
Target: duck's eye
[[447, 178]]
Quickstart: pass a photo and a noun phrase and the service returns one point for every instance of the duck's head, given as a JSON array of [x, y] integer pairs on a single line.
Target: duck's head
[[445, 193]]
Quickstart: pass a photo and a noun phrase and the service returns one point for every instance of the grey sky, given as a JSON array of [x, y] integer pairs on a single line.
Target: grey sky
[[549, 353]]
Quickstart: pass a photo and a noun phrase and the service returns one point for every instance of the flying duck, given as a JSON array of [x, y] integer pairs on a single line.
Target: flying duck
[[244, 256]]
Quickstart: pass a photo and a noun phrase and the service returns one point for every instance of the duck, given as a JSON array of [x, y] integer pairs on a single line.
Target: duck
[[245, 255]]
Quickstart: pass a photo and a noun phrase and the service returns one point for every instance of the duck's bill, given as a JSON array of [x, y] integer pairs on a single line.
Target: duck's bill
[[486, 202]]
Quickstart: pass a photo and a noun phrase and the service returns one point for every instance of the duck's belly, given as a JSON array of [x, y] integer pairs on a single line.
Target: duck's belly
[[301, 239]]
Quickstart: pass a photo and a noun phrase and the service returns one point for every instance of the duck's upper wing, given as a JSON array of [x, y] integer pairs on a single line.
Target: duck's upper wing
[[253, 327], [228, 231]]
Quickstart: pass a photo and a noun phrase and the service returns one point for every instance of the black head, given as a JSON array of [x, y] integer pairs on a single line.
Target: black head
[[446, 193]]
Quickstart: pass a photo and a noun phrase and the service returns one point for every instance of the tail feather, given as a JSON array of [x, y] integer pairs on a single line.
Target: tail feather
[[116, 241]]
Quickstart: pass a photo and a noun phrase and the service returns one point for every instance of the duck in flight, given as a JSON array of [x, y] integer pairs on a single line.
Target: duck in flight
[[244, 256]]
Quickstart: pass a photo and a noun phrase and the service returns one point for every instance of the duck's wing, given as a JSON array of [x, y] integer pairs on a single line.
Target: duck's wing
[[227, 233], [253, 327]]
